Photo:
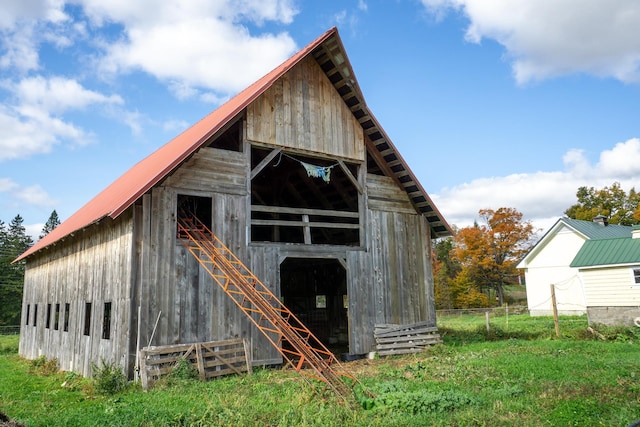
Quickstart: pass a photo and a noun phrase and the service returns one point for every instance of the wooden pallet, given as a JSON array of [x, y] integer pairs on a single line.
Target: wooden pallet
[[405, 339], [211, 359]]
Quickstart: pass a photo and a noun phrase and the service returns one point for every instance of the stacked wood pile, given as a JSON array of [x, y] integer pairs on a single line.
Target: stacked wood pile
[[211, 359], [404, 339]]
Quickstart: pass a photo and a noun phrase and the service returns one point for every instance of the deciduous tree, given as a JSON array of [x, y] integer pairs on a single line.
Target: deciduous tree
[[489, 252], [445, 269], [612, 202]]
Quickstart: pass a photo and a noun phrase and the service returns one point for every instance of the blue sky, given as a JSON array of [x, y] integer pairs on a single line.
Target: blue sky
[[493, 104]]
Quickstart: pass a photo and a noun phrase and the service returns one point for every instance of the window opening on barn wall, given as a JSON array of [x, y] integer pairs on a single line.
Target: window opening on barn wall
[[56, 317], [87, 318], [190, 206], [298, 199], [26, 318], [315, 290], [66, 317], [106, 321], [35, 315], [48, 318], [230, 139]]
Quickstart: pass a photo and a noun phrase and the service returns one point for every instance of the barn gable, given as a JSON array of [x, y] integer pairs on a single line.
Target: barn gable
[[298, 179]]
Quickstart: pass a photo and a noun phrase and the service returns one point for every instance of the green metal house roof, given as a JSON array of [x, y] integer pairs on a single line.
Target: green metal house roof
[[604, 252], [593, 230]]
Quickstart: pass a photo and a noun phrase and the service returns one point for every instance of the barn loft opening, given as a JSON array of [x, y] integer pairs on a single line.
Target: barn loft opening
[[299, 199], [198, 206], [230, 139], [315, 290]]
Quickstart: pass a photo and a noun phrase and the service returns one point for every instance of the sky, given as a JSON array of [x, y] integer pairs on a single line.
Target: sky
[[502, 103]]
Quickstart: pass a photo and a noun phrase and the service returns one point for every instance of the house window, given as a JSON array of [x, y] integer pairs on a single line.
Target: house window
[[35, 314], [636, 276], [26, 318], [48, 323], [106, 321], [66, 317], [56, 318], [87, 318]]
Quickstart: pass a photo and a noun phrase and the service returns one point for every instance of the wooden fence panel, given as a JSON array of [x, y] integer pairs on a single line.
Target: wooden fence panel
[[211, 359], [404, 339]]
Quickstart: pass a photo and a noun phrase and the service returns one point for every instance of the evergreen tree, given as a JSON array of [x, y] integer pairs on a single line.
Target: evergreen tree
[[13, 242], [51, 223]]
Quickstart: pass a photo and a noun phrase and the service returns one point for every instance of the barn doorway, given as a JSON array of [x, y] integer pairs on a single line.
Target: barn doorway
[[315, 290]]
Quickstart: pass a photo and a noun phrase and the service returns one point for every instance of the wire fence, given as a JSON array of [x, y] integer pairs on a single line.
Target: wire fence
[[9, 330], [493, 311]]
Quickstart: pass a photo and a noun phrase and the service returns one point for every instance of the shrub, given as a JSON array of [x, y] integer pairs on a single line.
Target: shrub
[[108, 378], [183, 370]]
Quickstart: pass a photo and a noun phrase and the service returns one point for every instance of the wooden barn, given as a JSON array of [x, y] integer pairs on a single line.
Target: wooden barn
[[297, 177]]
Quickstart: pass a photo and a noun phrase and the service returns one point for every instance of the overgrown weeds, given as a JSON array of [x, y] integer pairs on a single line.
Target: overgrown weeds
[[108, 378], [44, 366]]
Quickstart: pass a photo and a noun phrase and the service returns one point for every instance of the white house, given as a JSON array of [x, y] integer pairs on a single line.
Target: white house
[[549, 263], [609, 270]]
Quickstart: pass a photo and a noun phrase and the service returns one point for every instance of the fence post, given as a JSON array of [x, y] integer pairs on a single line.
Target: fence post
[[486, 316], [554, 306]]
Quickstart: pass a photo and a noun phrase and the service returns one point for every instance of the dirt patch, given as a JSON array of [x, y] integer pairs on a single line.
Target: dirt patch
[[6, 422]]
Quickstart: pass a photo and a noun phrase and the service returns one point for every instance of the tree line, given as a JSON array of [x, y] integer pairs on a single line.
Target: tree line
[[14, 241], [480, 261]]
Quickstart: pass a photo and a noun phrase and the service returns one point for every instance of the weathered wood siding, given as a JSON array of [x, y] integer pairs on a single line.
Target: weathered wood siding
[[385, 195], [190, 304], [91, 266], [302, 110], [392, 281]]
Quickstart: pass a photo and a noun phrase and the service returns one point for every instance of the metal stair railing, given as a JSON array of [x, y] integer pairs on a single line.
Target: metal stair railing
[[276, 322]]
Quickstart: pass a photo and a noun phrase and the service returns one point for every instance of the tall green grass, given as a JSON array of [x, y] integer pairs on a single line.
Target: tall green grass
[[519, 373]]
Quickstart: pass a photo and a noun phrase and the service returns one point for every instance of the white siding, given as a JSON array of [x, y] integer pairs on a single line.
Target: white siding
[[610, 287], [550, 265]]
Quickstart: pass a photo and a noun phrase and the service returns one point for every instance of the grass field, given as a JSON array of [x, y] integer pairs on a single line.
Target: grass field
[[517, 374]]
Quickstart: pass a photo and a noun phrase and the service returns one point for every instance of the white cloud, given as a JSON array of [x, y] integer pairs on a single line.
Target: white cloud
[[58, 94], [33, 125], [192, 43], [548, 38], [542, 197], [33, 195]]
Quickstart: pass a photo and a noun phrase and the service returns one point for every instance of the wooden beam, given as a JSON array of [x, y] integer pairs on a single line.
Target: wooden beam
[[303, 211], [349, 175], [265, 162]]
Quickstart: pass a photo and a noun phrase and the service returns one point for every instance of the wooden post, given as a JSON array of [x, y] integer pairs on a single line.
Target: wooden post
[[486, 316], [554, 306], [506, 312]]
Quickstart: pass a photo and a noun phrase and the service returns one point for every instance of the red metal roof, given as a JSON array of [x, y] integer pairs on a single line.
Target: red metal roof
[[125, 190]]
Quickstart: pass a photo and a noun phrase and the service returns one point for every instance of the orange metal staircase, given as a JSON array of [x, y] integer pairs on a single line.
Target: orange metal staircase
[[295, 342]]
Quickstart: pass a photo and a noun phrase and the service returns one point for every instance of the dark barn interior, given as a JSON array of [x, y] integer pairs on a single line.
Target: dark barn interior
[[315, 290]]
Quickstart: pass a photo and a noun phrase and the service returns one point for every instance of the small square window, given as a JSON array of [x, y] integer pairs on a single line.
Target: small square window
[[87, 318], [56, 318], [67, 306], [106, 321], [48, 316], [636, 276]]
